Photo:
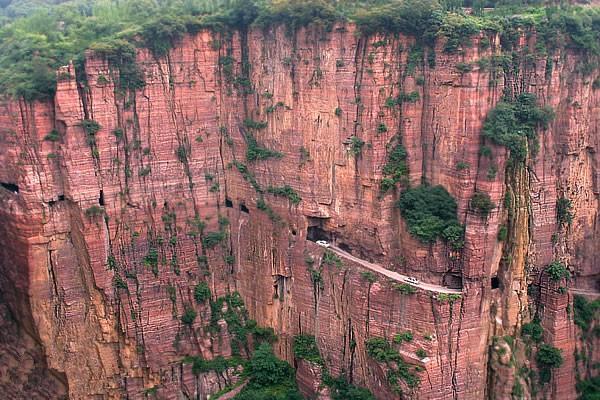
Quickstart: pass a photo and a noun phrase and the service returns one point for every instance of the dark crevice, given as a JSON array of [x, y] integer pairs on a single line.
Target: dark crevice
[[10, 186]]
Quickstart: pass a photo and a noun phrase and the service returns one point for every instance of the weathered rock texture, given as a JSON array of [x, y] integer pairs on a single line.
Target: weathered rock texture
[[90, 211]]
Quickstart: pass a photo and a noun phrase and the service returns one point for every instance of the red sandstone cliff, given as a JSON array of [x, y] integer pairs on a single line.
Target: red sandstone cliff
[[103, 340]]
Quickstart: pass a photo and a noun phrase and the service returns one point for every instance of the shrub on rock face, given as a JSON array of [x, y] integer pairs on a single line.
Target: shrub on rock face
[[481, 204], [430, 213], [557, 271]]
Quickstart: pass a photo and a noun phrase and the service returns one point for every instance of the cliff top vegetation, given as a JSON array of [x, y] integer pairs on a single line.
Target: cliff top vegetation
[[38, 36]]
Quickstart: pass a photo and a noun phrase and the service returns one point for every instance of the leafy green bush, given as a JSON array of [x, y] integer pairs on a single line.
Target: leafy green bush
[[512, 122], [189, 316], [340, 389], [406, 336], [380, 350], [256, 152], [368, 276], [547, 358], [533, 330], [201, 292], [585, 312], [285, 191], [405, 288], [418, 18], [481, 203], [502, 233], [430, 213], [330, 258], [557, 271], [396, 168], [356, 145], [270, 377], [588, 389], [421, 353], [305, 347], [296, 14], [213, 238], [564, 215]]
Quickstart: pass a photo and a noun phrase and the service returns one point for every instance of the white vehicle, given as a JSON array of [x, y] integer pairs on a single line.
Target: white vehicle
[[323, 243], [412, 280]]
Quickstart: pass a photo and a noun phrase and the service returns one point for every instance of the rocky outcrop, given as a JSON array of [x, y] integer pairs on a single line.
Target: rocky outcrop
[[107, 236]]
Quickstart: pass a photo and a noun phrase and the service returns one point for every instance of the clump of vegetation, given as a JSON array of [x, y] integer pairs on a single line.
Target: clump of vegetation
[[588, 389], [285, 191], [211, 239], [368, 276], [189, 316], [270, 377], [514, 121], [405, 288], [94, 211], [201, 292], [340, 389], [256, 152], [382, 351], [557, 271], [356, 145], [430, 213], [481, 204], [533, 330], [547, 358], [585, 312], [396, 168], [564, 215], [403, 337], [330, 258], [52, 136], [305, 347]]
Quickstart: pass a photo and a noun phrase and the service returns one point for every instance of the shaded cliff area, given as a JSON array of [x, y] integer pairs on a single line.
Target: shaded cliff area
[[152, 234]]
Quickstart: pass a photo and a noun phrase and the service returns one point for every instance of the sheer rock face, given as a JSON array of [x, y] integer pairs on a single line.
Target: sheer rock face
[[96, 213]]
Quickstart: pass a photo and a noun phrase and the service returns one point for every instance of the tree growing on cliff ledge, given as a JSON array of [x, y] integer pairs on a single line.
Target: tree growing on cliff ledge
[[430, 213]]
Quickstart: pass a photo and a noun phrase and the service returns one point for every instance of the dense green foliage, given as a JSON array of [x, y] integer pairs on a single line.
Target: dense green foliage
[[285, 191], [270, 378], [547, 358], [201, 292], [533, 330], [481, 203], [586, 312], [37, 36], [589, 389], [513, 121], [396, 168], [557, 271], [430, 212], [382, 351], [564, 215], [305, 347], [340, 389]]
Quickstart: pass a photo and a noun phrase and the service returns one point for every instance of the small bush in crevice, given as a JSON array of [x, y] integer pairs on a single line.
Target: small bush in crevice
[[481, 204]]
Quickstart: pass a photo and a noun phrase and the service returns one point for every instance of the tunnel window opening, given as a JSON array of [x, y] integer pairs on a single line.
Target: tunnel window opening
[[294, 232], [244, 209], [10, 186], [228, 203], [345, 247], [101, 198], [61, 197], [495, 282], [314, 233]]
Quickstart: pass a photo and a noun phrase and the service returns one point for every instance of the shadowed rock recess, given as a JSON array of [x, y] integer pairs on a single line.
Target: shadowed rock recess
[[151, 236]]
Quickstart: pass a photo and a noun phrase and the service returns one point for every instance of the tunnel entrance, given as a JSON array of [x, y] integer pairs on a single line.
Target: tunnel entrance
[[314, 233], [244, 209], [453, 281], [228, 203], [495, 282], [10, 186]]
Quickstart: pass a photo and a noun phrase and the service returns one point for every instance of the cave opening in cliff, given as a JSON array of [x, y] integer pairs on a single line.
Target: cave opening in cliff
[[228, 203], [101, 198], [495, 282], [314, 233], [10, 186], [244, 209], [452, 280]]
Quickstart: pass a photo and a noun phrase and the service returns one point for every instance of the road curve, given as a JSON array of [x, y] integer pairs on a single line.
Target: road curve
[[391, 274]]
